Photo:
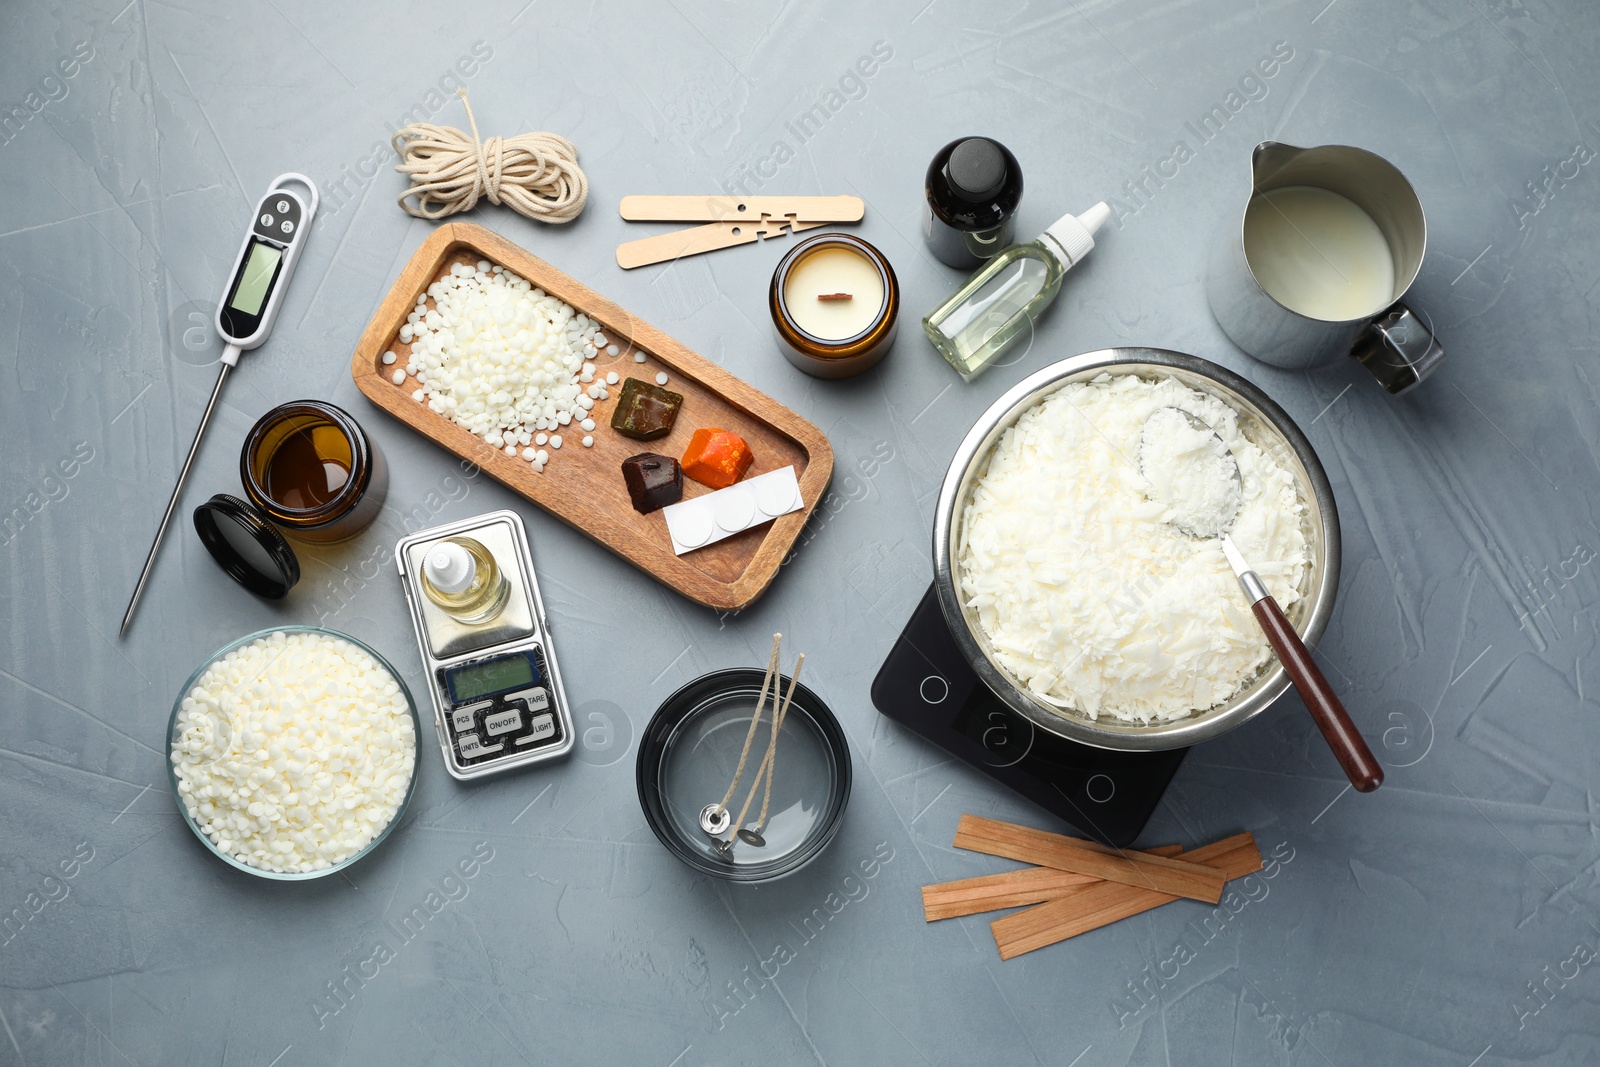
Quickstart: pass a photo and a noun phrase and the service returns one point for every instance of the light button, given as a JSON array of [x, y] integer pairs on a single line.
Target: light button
[[543, 728]]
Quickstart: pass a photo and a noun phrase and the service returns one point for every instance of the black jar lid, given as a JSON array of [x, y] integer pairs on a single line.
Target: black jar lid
[[247, 546]]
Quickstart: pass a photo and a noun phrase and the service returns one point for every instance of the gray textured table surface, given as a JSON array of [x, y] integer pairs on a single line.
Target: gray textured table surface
[[1452, 918]]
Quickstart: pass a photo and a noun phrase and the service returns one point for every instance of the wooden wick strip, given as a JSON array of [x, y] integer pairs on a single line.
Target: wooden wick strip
[[1013, 889], [1089, 907], [835, 296], [1180, 877]]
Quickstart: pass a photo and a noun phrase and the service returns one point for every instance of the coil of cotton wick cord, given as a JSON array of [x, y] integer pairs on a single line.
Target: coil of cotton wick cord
[[535, 174]]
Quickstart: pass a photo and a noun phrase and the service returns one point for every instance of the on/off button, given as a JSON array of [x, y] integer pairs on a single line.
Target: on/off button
[[503, 722]]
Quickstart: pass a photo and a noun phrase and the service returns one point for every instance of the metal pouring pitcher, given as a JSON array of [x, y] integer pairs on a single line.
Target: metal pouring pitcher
[[1388, 338]]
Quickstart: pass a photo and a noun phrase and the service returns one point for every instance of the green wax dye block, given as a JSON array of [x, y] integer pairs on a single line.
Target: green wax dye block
[[645, 411]]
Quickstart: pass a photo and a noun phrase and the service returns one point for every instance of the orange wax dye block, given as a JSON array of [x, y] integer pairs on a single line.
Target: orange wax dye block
[[716, 458]]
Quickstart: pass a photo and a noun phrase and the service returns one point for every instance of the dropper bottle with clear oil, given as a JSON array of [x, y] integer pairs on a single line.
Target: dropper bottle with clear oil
[[1002, 301], [463, 579]]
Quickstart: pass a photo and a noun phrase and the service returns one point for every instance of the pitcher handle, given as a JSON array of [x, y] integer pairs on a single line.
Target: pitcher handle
[[1398, 350]]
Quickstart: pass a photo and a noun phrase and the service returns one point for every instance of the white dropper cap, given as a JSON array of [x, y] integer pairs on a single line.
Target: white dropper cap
[[449, 567], [1072, 236]]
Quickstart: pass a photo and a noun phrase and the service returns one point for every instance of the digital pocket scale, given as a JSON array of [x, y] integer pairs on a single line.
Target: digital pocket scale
[[498, 702]]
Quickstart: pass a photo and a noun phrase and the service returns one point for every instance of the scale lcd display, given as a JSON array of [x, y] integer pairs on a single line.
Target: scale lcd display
[[259, 268], [493, 676]]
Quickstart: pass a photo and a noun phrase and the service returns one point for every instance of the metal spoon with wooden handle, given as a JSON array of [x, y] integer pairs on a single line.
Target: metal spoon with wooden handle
[[1214, 520]]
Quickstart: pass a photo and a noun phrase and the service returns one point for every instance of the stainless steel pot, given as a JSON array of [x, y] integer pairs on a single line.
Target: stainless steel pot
[[1261, 420]]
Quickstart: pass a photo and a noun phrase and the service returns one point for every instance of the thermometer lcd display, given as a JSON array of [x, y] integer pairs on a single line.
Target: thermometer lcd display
[[256, 278], [497, 675]]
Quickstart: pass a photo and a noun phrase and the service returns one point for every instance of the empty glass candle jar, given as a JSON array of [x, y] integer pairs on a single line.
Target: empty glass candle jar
[[834, 301], [691, 747]]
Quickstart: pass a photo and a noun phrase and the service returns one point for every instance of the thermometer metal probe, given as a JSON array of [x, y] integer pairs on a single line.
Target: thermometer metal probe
[[259, 279]]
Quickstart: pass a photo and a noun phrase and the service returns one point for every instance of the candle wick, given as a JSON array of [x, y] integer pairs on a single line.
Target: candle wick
[[834, 296]]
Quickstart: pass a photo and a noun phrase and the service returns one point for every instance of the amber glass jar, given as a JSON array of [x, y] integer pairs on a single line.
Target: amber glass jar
[[311, 469], [834, 302]]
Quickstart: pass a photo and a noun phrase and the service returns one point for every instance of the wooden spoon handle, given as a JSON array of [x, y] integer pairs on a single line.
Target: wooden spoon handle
[[1349, 747]]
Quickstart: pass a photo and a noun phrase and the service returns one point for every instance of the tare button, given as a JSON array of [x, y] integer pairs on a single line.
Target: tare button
[[538, 700]]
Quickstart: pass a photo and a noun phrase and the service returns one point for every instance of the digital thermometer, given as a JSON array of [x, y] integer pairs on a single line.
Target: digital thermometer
[[256, 285], [266, 261]]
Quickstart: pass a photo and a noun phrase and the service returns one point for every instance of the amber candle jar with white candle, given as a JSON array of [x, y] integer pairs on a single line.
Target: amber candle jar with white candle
[[834, 301]]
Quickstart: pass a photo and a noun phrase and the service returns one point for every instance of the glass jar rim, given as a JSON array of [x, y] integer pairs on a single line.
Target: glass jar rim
[[821, 347], [348, 494]]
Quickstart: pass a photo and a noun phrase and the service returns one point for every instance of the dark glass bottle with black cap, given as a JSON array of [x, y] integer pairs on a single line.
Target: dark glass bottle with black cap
[[974, 186]]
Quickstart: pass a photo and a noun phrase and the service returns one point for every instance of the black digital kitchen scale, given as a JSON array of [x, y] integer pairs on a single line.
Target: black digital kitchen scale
[[927, 686]]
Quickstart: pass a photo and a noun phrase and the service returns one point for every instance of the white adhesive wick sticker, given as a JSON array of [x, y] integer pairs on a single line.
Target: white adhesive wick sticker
[[693, 529], [777, 496], [736, 506], [707, 519]]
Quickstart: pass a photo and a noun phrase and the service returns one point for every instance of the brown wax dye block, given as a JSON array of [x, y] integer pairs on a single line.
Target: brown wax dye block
[[653, 481], [645, 411]]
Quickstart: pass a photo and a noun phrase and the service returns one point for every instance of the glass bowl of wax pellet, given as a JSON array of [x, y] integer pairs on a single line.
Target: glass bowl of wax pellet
[[292, 752], [691, 751]]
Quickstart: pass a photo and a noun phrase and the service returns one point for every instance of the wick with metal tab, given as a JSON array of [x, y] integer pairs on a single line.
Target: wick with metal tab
[[714, 818]]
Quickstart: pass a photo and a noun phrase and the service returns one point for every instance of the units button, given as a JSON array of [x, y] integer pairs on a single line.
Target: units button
[[472, 747]]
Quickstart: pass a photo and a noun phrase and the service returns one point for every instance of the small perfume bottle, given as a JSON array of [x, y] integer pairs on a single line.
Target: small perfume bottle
[[973, 188], [461, 576], [1004, 299]]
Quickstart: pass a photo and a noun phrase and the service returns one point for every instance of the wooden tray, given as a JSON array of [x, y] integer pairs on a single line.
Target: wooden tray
[[583, 486]]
